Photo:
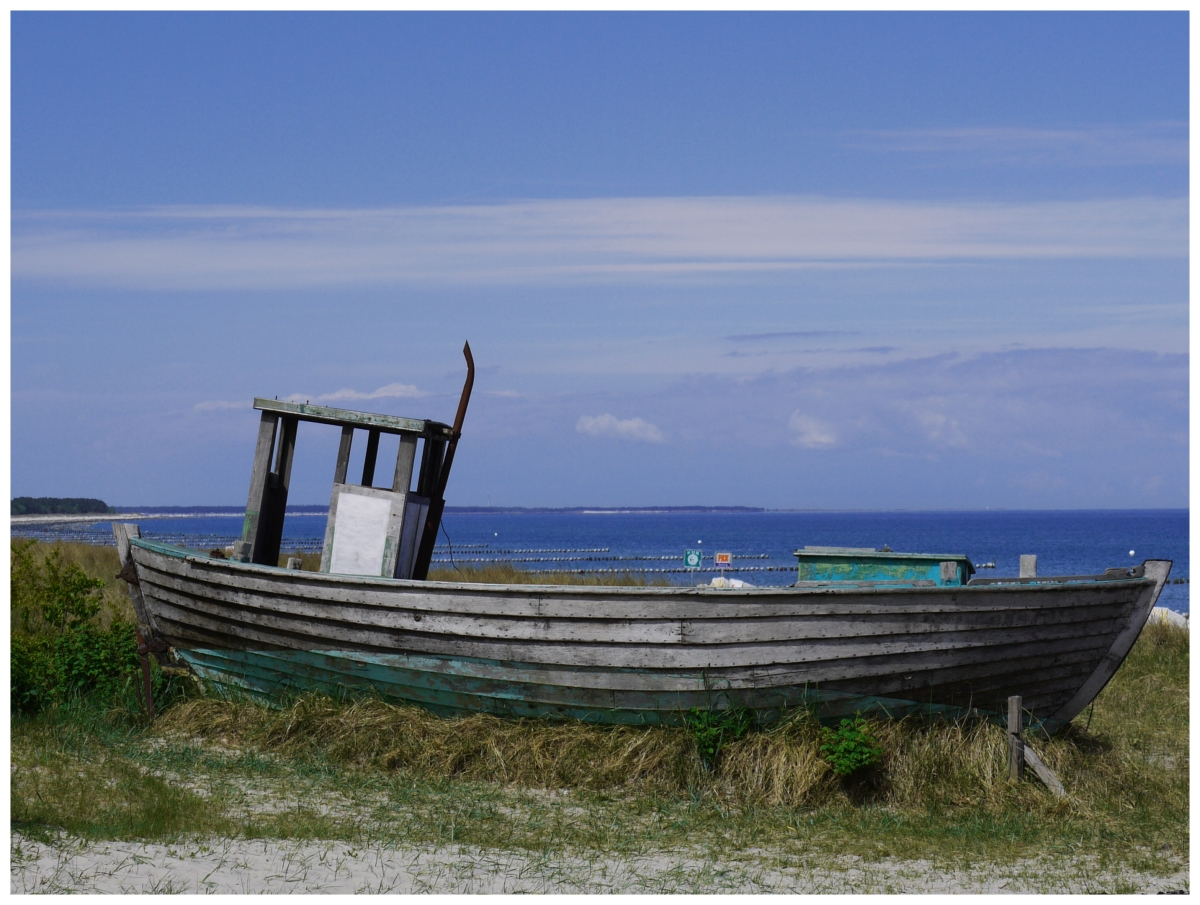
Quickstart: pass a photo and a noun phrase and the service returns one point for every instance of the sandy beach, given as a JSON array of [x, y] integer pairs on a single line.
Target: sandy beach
[[263, 866]]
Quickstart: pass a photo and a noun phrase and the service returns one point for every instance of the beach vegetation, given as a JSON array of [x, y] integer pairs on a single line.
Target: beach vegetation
[[363, 769], [850, 747], [69, 642]]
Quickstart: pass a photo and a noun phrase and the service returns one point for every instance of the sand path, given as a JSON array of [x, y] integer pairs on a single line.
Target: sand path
[[265, 866]]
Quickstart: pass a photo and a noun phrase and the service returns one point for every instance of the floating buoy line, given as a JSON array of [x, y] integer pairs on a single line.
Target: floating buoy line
[[585, 558], [474, 548], [444, 555]]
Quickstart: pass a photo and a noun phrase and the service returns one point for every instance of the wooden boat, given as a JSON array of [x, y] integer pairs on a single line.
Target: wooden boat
[[862, 631]]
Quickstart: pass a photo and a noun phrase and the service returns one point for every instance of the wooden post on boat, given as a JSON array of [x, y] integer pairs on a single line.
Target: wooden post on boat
[[270, 529], [406, 456], [438, 473], [1016, 746], [368, 474], [262, 530], [343, 459], [256, 500]]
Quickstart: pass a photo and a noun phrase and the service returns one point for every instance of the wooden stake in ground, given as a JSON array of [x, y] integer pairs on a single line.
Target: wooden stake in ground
[[1044, 773], [1020, 754], [1016, 746]]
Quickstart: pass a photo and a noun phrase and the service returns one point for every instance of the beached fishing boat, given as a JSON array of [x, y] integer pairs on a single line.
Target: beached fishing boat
[[861, 630]]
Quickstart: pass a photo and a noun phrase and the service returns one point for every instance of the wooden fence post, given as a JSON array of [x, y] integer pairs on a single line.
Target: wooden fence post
[[1020, 754], [1016, 746]]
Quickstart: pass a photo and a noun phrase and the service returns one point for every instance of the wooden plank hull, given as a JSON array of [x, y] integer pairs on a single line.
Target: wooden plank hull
[[647, 655]]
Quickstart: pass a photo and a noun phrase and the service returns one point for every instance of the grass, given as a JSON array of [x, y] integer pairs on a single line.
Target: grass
[[97, 562], [373, 772]]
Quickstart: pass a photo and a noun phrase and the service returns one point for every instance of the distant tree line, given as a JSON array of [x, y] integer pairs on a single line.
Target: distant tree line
[[53, 505]]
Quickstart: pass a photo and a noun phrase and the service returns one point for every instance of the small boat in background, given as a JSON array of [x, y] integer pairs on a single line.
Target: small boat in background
[[862, 631]]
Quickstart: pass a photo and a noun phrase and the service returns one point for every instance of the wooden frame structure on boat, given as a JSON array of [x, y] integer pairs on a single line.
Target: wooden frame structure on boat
[[387, 532]]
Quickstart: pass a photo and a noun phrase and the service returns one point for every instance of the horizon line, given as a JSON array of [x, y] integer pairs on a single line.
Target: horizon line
[[131, 510]]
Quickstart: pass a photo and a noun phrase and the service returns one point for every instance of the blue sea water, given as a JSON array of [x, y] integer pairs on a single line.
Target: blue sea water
[[1066, 543]]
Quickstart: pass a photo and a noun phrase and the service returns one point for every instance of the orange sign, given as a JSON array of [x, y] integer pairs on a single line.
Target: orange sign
[[723, 560]]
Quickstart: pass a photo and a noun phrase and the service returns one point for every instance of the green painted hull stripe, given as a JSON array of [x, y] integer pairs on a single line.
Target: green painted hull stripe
[[447, 687]]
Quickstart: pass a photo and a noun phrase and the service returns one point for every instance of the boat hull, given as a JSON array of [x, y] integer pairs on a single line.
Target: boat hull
[[646, 655]]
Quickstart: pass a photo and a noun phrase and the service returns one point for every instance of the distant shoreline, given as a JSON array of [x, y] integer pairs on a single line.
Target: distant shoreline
[[124, 513]]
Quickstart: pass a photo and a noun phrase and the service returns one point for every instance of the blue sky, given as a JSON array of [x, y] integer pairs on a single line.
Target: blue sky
[[867, 260]]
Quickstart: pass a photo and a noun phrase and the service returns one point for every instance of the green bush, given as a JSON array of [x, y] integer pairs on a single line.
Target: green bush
[[51, 596], [84, 661], [714, 728], [58, 651], [850, 746]]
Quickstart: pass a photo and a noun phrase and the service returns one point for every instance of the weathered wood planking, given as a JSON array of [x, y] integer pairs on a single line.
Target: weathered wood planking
[[736, 625], [321, 414], [616, 641], [648, 654]]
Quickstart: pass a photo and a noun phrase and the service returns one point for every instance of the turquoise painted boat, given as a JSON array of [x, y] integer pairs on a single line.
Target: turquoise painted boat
[[861, 631], [821, 565]]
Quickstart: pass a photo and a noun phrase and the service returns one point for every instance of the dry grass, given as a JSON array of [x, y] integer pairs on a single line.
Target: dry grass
[[927, 766], [376, 734]]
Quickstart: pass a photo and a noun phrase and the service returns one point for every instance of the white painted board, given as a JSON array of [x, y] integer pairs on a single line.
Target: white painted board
[[359, 533]]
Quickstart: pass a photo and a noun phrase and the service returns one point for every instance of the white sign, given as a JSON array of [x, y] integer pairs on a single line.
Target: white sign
[[359, 531]]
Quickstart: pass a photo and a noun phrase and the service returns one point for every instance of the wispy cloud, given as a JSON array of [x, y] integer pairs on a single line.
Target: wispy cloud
[[1146, 144], [391, 391], [789, 334], [811, 433], [611, 426], [935, 418], [561, 241]]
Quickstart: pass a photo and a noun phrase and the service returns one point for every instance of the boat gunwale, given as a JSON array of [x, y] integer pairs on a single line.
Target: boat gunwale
[[1049, 584]]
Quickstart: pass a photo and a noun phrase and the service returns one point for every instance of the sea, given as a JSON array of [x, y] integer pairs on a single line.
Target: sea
[[761, 543]]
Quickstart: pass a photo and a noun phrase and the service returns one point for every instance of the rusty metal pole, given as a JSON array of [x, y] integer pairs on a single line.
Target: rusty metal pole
[[437, 502]]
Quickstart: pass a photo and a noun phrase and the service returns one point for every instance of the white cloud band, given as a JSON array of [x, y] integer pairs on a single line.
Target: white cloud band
[[611, 426], [391, 391], [627, 239]]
